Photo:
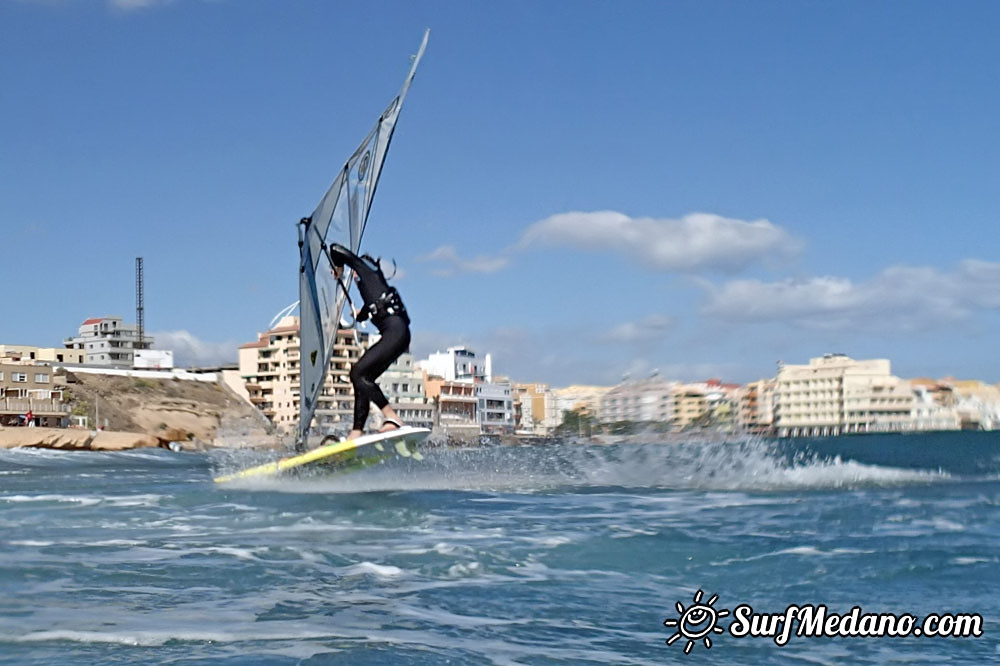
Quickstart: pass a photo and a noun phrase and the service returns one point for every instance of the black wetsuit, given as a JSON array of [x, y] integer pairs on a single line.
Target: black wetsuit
[[383, 305]]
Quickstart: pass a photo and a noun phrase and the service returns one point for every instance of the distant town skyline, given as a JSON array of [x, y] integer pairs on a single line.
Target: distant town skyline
[[583, 190]]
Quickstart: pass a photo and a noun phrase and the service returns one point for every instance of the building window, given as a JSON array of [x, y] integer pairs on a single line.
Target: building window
[[18, 377], [41, 378]]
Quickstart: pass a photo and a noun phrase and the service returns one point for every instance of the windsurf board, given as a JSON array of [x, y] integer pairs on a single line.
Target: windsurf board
[[339, 456]]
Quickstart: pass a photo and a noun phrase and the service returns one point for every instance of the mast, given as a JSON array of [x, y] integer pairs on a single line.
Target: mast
[[140, 318]]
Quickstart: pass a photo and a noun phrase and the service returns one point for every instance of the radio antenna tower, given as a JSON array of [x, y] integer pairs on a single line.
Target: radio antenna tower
[[139, 306]]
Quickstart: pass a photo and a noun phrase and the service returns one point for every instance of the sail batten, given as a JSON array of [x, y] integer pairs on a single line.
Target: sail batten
[[340, 217]]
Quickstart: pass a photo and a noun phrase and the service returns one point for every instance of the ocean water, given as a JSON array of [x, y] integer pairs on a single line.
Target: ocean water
[[562, 554]]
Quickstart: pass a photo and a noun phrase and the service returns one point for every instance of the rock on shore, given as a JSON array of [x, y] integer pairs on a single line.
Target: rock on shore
[[74, 439]]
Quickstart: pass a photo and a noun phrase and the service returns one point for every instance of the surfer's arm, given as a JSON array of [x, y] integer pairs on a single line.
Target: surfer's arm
[[341, 256]]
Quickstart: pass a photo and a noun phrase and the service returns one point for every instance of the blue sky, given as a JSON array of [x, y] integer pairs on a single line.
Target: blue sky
[[583, 189]]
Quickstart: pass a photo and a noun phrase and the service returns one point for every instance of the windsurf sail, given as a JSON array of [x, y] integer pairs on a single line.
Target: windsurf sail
[[340, 217]]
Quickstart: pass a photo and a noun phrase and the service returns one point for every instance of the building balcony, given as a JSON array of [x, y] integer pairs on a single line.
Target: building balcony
[[38, 407], [451, 397]]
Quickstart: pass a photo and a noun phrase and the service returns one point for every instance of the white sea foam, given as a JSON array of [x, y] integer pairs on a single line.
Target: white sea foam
[[463, 569], [134, 500], [966, 561], [69, 499], [370, 568], [158, 638], [945, 525], [800, 551], [550, 541], [239, 553]]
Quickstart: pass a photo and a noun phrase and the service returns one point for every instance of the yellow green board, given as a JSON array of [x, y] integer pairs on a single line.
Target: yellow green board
[[347, 454]]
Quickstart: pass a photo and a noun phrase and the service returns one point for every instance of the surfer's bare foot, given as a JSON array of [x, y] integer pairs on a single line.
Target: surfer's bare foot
[[388, 425], [354, 434]]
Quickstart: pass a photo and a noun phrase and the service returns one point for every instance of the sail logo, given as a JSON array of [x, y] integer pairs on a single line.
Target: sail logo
[[363, 167]]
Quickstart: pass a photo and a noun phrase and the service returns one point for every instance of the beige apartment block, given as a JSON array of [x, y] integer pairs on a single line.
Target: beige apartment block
[[33, 393], [691, 405], [270, 369], [755, 410], [48, 354], [836, 394], [456, 404], [649, 400], [579, 398], [536, 409]]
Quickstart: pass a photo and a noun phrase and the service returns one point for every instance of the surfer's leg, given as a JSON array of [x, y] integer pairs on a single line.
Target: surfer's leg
[[396, 335], [362, 396], [369, 367]]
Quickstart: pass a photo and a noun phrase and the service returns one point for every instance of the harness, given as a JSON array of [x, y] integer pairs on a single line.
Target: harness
[[388, 304]]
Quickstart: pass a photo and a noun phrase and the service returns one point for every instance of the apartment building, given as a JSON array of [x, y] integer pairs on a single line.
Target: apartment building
[[535, 410], [456, 405], [108, 341], [495, 407], [403, 386], [32, 394], [643, 400], [691, 407], [270, 368], [934, 406], [755, 406], [458, 364], [835, 394], [47, 354], [578, 398]]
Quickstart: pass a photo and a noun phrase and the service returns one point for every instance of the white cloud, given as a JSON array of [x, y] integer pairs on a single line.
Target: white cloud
[[652, 328], [902, 297], [128, 5], [119, 5], [696, 242], [639, 368], [452, 263], [189, 351]]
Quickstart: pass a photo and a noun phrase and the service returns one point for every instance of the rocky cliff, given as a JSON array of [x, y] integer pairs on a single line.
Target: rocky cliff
[[139, 412]]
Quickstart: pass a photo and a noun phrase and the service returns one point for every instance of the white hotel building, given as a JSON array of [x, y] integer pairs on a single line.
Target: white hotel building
[[494, 401], [109, 341], [835, 395]]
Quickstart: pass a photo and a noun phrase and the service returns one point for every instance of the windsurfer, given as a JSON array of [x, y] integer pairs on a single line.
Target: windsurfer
[[384, 307]]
